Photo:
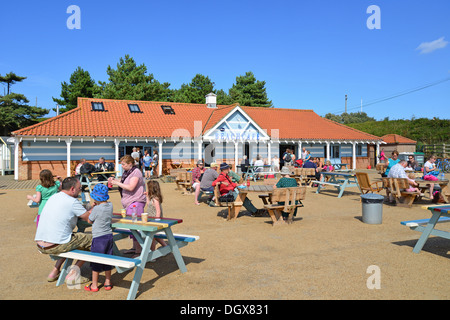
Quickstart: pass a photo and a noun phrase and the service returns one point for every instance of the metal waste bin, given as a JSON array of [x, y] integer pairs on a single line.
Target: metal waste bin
[[372, 208]]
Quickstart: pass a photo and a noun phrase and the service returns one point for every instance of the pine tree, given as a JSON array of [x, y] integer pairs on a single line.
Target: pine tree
[[247, 91]]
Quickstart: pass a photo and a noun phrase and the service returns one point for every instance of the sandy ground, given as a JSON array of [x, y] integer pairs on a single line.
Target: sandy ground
[[324, 254]]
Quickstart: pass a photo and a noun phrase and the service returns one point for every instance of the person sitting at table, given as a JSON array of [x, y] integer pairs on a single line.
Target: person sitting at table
[[54, 233], [286, 182], [197, 175], [312, 164], [328, 167], [226, 186], [102, 166], [412, 163], [244, 165], [389, 163], [78, 167], [259, 163], [430, 173], [208, 178], [398, 171]]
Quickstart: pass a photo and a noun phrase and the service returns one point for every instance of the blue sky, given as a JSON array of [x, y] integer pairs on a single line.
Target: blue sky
[[310, 53]]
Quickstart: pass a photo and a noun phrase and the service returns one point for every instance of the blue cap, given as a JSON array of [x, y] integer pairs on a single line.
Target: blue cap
[[100, 192]]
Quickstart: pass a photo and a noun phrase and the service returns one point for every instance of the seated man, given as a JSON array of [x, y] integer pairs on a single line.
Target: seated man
[[208, 178], [226, 186], [312, 164], [58, 219], [197, 173], [102, 166], [259, 163], [286, 182], [398, 171]]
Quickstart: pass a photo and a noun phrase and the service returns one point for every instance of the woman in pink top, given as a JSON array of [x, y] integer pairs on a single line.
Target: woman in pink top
[[132, 192]]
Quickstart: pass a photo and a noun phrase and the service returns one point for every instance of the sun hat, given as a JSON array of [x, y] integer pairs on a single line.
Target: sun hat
[[199, 162], [224, 166], [213, 165], [100, 192], [285, 170]]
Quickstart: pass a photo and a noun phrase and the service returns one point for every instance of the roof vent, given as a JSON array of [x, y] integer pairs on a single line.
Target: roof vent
[[211, 99]]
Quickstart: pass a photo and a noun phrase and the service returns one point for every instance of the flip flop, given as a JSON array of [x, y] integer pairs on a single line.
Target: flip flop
[[89, 288], [50, 279], [108, 287]]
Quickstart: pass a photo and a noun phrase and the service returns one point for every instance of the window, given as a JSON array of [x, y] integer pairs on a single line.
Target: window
[[97, 106], [359, 150], [134, 108], [168, 110]]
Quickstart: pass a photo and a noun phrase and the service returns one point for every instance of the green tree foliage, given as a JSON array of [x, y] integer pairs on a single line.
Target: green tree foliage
[[347, 118], [80, 85], [422, 130], [15, 112], [131, 82], [195, 91], [247, 91]]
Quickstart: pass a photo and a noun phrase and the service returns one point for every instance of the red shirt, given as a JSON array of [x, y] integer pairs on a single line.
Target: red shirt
[[223, 189]]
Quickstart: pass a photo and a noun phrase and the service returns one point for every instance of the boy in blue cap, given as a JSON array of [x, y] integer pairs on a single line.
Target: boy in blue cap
[[102, 241]]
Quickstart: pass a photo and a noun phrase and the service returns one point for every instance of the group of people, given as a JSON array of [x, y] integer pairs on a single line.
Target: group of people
[[60, 211], [396, 168], [146, 162]]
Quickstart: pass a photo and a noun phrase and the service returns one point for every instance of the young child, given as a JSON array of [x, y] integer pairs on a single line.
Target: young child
[[45, 190], [102, 241], [412, 176], [154, 209]]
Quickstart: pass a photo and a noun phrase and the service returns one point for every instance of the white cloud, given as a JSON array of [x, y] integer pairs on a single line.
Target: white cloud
[[427, 47]]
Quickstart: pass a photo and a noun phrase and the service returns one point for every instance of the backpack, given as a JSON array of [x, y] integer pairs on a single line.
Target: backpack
[[287, 157]]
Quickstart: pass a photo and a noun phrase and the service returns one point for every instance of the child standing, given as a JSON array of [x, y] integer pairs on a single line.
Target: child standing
[[45, 190], [102, 241], [154, 209]]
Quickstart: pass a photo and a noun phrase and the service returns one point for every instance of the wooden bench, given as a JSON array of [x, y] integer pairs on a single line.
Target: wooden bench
[[305, 175], [111, 260], [184, 180], [229, 205], [397, 188], [289, 196]]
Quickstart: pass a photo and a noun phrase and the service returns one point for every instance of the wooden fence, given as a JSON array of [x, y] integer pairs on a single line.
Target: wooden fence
[[439, 150]]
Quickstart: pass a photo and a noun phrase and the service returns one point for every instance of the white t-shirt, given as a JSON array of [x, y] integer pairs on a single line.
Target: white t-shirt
[[59, 218], [428, 165]]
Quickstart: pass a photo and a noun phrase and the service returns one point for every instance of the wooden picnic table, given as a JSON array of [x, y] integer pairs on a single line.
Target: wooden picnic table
[[144, 234], [440, 213], [239, 201], [442, 183], [339, 180]]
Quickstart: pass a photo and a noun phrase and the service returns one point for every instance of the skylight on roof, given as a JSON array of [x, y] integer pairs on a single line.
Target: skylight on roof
[[97, 106], [134, 108], [168, 110]]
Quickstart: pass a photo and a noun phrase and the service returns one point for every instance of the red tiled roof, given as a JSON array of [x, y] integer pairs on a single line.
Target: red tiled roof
[[118, 121], [397, 139]]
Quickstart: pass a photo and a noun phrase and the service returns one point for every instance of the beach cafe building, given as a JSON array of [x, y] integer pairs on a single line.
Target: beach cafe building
[[183, 133]]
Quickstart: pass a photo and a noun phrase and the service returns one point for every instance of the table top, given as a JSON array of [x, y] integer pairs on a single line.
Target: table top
[[256, 188], [439, 208], [333, 173], [151, 225], [445, 181], [104, 172]]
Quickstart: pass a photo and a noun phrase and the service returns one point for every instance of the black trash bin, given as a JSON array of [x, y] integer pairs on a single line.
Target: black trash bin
[[372, 208]]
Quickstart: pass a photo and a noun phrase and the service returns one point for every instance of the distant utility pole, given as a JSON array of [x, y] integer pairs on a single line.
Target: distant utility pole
[[345, 103]]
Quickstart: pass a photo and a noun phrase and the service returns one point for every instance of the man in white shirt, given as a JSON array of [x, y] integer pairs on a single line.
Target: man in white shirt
[[259, 163], [398, 171], [58, 219]]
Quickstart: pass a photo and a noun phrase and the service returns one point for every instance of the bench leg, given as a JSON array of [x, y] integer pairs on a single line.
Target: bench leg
[[140, 268], [175, 250], [426, 233], [64, 272]]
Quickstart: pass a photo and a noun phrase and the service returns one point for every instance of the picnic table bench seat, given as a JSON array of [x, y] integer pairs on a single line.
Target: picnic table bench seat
[[397, 188], [111, 260], [289, 196], [184, 182]]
